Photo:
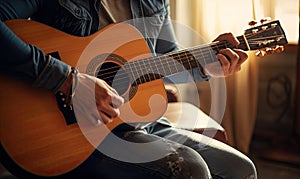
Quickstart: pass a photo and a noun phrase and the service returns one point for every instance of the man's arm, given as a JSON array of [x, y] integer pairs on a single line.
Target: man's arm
[[24, 61]]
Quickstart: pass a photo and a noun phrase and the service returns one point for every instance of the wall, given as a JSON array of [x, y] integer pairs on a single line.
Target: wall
[[276, 93]]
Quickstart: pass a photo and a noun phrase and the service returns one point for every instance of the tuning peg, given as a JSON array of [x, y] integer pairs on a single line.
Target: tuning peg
[[269, 50], [262, 21], [254, 31], [264, 52], [278, 49], [263, 28], [260, 53], [252, 23]]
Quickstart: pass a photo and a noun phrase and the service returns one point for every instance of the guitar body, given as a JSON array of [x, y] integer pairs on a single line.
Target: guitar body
[[33, 130]]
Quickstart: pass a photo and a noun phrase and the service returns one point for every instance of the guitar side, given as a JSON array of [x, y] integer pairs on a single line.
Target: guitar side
[[32, 128]]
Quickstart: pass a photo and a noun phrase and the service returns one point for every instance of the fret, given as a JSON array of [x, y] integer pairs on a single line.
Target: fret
[[145, 67], [147, 77], [212, 55], [164, 73], [151, 70], [158, 64], [209, 56], [197, 58], [217, 47], [137, 76], [142, 68], [129, 68], [175, 63], [181, 60], [202, 64], [168, 67], [188, 59], [177, 66], [157, 70], [202, 56]]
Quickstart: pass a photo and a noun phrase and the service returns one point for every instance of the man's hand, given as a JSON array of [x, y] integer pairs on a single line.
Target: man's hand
[[95, 100], [231, 60], [108, 101]]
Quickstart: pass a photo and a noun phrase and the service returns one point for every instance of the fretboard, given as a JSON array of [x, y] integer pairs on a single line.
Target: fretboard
[[156, 67]]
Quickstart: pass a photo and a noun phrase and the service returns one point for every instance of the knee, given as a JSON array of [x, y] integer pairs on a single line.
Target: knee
[[242, 167], [186, 163], [248, 169]]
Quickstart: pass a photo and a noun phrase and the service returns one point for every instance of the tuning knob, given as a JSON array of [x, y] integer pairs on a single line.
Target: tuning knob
[[262, 21], [261, 53], [252, 23], [269, 50], [278, 49]]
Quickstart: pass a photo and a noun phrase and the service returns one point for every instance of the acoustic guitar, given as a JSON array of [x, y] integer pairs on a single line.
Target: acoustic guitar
[[40, 137]]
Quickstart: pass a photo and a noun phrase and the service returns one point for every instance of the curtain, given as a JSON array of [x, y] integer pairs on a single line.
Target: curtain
[[209, 18]]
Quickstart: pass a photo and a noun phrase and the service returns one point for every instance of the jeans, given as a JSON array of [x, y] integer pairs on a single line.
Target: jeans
[[172, 153]]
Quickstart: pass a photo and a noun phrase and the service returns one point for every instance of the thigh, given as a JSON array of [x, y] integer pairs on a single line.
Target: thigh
[[137, 154], [223, 160]]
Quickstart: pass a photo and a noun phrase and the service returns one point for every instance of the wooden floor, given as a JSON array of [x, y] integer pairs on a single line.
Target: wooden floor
[[275, 170], [274, 161]]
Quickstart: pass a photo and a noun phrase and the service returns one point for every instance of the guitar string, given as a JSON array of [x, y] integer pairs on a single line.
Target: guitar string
[[218, 46], [139, 67], [183, 52], [249, 42], [150, 77]]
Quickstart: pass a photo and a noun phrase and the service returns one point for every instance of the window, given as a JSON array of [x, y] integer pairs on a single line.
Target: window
[[287, 11], [212, 17]]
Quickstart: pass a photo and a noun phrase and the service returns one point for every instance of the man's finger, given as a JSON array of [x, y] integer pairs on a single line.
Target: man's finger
[[228, 37]]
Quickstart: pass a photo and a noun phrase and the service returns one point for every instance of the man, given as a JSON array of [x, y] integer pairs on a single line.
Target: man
[[191, 159]]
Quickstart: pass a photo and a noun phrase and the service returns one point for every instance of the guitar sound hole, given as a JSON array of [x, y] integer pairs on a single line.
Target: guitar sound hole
[[117, 78]]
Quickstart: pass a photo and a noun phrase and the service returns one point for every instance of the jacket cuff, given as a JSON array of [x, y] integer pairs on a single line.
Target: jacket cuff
[[53, 75]]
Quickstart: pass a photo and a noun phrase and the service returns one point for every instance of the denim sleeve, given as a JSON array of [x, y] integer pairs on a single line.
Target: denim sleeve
[[167, 43], [24, 61]]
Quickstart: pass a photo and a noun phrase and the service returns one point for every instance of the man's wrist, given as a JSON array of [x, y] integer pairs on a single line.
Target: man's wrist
[[67, 84], [70, 83]]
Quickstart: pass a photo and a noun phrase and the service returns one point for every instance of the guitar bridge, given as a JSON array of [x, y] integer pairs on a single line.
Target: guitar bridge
[[67, 110]]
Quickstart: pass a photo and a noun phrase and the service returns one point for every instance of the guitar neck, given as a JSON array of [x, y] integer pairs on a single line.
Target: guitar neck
[[156, 67]]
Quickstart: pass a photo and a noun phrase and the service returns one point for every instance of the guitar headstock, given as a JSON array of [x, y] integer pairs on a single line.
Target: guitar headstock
[[268, 38]]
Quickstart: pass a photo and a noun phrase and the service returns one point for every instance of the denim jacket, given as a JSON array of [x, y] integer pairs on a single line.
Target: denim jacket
[[77, 17]]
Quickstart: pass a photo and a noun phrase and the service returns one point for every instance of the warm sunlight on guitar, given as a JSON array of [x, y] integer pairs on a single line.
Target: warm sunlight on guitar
[[36, 133]]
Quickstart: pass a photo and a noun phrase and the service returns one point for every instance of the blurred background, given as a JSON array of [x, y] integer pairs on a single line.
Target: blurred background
[[261, 116]]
